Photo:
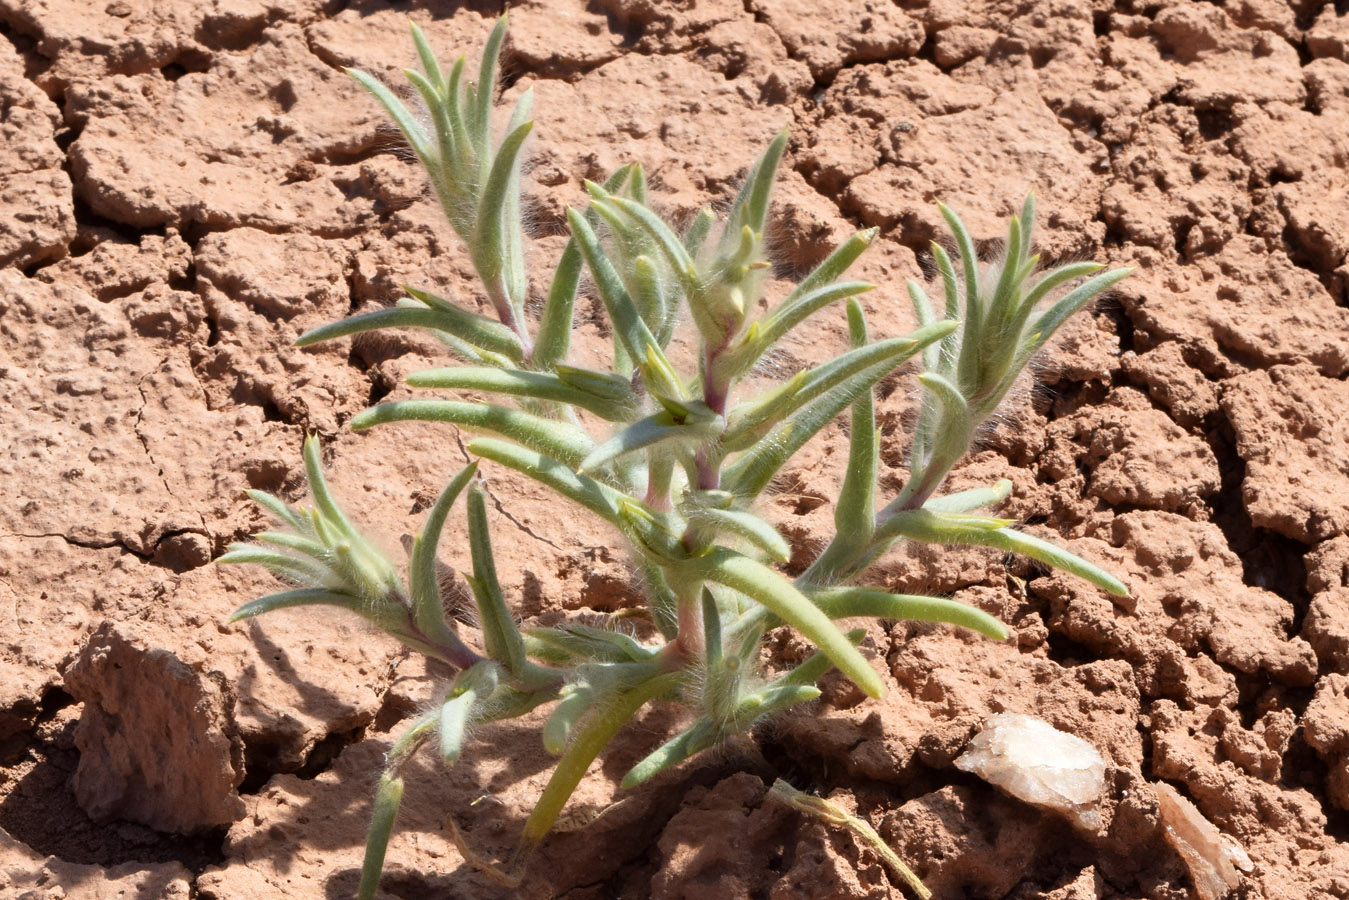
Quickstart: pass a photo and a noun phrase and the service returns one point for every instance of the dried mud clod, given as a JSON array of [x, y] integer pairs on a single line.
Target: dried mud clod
[[186, 187], [136, 699]]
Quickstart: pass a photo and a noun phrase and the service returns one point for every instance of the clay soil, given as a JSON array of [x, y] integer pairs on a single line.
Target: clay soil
[[186, 186]]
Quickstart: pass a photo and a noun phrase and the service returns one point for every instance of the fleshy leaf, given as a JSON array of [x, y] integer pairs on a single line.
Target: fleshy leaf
[[501, 637], [698, 423], [556, 439], [766, 587], [847, 602], [974, 498], [388, 797], [520, 383], [472, 328], [297, 597]]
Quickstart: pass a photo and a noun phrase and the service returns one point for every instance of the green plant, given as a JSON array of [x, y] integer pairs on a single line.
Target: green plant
[[681, 464]]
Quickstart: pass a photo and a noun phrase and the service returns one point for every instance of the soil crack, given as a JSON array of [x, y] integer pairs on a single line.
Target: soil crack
[[145, 445], [517, 523], [76, 542]]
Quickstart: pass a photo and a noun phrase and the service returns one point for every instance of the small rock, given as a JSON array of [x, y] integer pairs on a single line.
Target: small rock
[[1212, 857], [1035, 762]]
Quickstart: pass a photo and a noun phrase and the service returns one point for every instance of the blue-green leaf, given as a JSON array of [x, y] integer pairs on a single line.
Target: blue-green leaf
[[599, 498], [297, 597], [521, 383], [849, 602], [556, 439], [405, 121], [698, 424], [974, 498], [771, 590], [427, 603], [477, 330]]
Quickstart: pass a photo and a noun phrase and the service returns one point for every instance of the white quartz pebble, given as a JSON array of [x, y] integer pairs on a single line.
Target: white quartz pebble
[[1035, 762]]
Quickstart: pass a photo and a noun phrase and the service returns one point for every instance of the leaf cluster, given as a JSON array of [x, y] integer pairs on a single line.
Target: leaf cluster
[[671, 457]]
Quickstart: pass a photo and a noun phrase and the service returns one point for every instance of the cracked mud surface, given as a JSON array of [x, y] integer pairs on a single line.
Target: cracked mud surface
[[185, 187]]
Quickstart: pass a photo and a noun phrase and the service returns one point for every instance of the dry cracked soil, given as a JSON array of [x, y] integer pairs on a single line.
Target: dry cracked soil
[[187, 185]]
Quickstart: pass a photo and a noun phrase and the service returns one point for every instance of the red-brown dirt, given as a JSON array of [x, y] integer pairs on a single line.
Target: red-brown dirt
[[187, 186]]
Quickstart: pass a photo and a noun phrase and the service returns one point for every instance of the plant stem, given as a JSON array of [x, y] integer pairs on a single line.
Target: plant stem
[[688, 641], [458, 654], [709, 473], [715, 393], [660, 471]]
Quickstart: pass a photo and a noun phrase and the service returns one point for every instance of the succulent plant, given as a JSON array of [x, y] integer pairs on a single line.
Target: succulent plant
[[677, 461]]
